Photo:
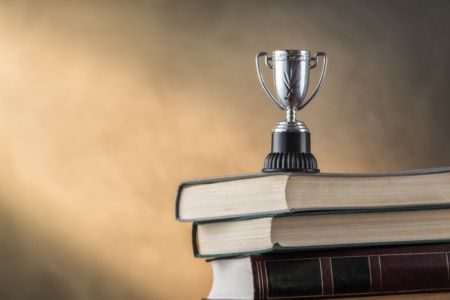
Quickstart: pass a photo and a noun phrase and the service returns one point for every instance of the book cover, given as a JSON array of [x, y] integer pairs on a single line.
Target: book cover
[[353, 272]]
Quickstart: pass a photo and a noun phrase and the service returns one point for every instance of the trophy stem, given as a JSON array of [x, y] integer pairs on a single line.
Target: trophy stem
[[290, 115]]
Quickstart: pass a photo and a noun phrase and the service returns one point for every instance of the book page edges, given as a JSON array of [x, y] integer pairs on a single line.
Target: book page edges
[[235, 231], [232, 198], [346, 193]]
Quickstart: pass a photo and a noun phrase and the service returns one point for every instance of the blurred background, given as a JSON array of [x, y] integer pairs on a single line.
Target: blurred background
[[105, 106]]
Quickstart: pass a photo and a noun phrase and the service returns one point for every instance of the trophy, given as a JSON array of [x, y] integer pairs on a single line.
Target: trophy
[[291, 148]]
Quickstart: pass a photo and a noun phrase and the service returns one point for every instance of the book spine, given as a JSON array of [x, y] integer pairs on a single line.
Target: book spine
[[350, 275]]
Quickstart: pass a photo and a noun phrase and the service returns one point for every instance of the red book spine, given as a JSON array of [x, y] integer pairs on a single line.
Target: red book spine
[[355, 272]]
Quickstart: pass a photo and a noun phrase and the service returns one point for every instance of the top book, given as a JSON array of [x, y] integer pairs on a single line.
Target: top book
[[269, 194]]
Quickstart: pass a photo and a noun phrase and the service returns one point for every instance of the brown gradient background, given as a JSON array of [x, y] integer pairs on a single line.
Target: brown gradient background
[[106, 106]]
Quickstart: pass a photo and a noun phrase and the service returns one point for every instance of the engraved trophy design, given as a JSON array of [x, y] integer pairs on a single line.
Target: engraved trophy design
[[291, 148]]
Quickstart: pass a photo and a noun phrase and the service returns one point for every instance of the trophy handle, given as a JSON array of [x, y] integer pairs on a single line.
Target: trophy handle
[[322, 75], [267, 60]]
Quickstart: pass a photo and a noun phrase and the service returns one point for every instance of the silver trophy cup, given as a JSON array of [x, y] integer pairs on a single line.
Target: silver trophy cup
[[291, 138]]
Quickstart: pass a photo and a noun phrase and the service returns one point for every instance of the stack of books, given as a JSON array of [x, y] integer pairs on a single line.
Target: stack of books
[[321, 236]]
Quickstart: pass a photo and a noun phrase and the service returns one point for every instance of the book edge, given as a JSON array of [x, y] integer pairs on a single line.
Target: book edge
[[198, 255], [282, 249], [209, 180]]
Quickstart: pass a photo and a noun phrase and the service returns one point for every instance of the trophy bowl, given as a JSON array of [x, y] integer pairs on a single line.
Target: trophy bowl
[[291, 77], [291, 71]]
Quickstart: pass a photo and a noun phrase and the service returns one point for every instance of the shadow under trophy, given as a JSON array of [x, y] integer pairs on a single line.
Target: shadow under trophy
[[291, 141]]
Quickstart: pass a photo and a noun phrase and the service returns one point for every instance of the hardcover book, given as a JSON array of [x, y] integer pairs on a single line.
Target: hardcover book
[[333, 274], [268, 194], [318, 231]]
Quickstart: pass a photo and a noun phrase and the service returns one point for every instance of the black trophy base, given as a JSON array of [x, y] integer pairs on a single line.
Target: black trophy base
[[291, 152], [290, 162]]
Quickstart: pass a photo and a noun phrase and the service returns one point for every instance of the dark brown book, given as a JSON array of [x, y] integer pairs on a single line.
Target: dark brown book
[[334, 274]]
